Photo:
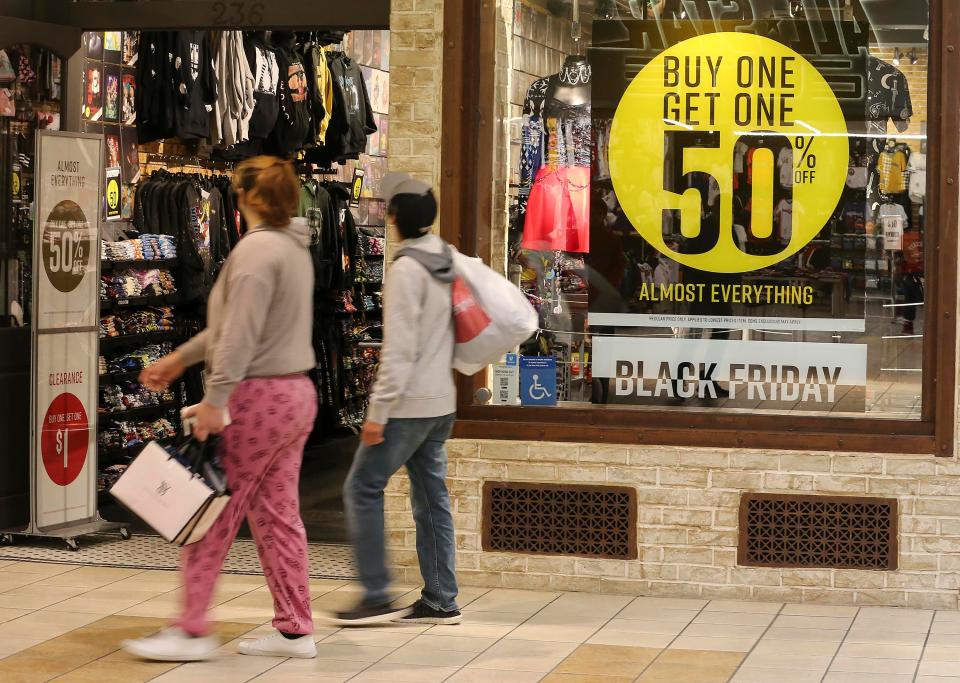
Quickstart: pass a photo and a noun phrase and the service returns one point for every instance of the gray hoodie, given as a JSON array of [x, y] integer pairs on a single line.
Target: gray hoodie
[[260, 312], [415, 379]]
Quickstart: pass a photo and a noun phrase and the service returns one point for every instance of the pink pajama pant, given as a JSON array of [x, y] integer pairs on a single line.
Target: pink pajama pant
[[261, 452]]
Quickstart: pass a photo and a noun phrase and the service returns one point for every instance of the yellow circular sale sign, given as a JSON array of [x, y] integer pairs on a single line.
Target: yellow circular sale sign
[[748, 116]]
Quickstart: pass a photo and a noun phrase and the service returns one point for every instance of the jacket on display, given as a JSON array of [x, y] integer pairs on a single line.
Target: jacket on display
[[352, 116]]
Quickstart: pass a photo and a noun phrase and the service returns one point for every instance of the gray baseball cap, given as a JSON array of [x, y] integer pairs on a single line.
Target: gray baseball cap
[[402, 183]]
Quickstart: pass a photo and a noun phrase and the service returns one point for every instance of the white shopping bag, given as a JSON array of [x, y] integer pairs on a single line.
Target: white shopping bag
[[176, 502]]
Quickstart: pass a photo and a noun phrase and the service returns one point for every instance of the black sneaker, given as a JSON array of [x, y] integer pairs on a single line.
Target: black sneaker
[[421, 613], [366, 615]]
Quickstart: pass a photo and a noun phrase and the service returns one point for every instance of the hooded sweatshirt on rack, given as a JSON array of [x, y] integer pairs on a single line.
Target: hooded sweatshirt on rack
[[260, 314], [415, 379], [352, 116], [292, 131]]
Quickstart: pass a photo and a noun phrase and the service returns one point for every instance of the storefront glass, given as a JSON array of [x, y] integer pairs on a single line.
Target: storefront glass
[[716, 206]]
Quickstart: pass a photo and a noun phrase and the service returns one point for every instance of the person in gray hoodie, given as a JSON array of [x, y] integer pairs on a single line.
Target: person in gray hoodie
[[257, 348], [411, 415]]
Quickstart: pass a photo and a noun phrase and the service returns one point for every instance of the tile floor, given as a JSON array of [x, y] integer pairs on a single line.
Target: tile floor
[[64, 623]]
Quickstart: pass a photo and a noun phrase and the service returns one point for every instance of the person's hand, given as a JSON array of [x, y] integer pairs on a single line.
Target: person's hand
[[160, 375], [372, 434], [207, 420]]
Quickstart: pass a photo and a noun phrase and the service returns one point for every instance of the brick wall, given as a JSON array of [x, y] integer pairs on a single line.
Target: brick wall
[[416, 79], [687, 521]]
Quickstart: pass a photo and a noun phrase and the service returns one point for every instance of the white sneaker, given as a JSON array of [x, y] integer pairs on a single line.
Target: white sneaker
[[172, 645], [275, 645]]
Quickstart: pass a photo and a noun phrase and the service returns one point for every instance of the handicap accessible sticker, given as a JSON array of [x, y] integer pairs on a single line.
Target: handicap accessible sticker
[[538, 381]]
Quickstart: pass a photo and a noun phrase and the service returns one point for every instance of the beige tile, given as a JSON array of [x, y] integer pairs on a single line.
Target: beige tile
[[610, 660], [45, 625], [470, 594], [492, 676], [805, 635], [935, 653], [426, 656], [873, 666], [902, 620], [795, 660], [643, 612], [378, 637], [7, 614], [90, 577], [819, 611], [788, 647], [684, 604], [729, 644], [512, 601], [943, 640], [696, 630], [494, 618], [523, 655], [937, 679], [745, 607], [748, 675], [42, 569], [847, 677], [10, 582], [934, 668], [561, 633], [946, 628], [606, 636], [310, 670], [646, 626], [884, 637], [352, 653], [592, 606], [403, 673], [456, 643], [586, 678], [818, 623], [874, 651], [37, 597], [471, 629], [685, 666], [734, 619]]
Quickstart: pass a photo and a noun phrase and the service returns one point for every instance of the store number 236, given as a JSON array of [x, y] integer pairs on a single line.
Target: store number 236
[[238, 13]]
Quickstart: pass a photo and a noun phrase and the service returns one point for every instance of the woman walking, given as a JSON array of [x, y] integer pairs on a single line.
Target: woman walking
[[257, 348]]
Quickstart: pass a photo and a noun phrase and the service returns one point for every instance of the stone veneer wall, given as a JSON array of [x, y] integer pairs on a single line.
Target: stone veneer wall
[[688, 516]]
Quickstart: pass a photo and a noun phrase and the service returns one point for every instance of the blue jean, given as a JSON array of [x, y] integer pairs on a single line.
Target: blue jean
[[418, 444]]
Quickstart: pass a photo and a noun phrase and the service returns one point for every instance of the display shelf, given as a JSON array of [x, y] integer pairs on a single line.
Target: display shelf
[[114, 377], [115, 456], [140, 264], [139, 301], [131, 413], [142, 339]]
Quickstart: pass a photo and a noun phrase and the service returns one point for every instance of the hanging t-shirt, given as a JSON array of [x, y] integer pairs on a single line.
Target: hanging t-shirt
[[888, 99], [918, 176], [785, 166], [196, 84], [892, 167], [784, 215]]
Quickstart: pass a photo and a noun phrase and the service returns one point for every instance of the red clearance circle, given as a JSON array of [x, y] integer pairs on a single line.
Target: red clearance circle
[[64, 438]]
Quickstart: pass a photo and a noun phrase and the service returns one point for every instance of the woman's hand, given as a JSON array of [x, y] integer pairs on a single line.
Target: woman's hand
[[160, 375], [372, 434], [207, 420]]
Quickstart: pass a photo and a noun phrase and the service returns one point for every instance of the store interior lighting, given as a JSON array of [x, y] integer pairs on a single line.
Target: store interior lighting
[[897, 55]]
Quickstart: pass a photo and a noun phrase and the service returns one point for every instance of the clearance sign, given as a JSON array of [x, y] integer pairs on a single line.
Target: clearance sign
[[728, 88]]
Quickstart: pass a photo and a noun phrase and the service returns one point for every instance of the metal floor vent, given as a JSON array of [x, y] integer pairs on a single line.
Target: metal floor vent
[[817, 532], [558, 519]]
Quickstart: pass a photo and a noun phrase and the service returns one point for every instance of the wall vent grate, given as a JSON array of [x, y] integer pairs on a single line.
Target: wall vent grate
[[822, 532], [559, 519]]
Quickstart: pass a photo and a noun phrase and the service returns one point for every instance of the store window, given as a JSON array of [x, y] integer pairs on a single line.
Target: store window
[[718, 207]]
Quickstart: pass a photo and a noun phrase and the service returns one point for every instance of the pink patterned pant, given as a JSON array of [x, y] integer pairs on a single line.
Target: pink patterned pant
[[261, 452]]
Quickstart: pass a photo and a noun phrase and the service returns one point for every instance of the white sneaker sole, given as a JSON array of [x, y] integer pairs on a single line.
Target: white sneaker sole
[[144, 653], [436, 621], [388, 618]]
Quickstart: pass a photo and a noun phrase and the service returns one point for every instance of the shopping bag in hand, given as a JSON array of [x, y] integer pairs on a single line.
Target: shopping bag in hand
[[179, 493]]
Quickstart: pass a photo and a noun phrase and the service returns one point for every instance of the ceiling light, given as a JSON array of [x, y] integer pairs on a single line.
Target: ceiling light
[[896, 56], [913, 56]]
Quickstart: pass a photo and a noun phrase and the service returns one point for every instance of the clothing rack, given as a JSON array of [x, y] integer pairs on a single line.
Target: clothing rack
[[186, 163]]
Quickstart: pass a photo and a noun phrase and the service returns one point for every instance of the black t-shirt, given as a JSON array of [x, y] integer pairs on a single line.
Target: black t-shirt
[[196, 84], [888, 98], [352, 116]]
